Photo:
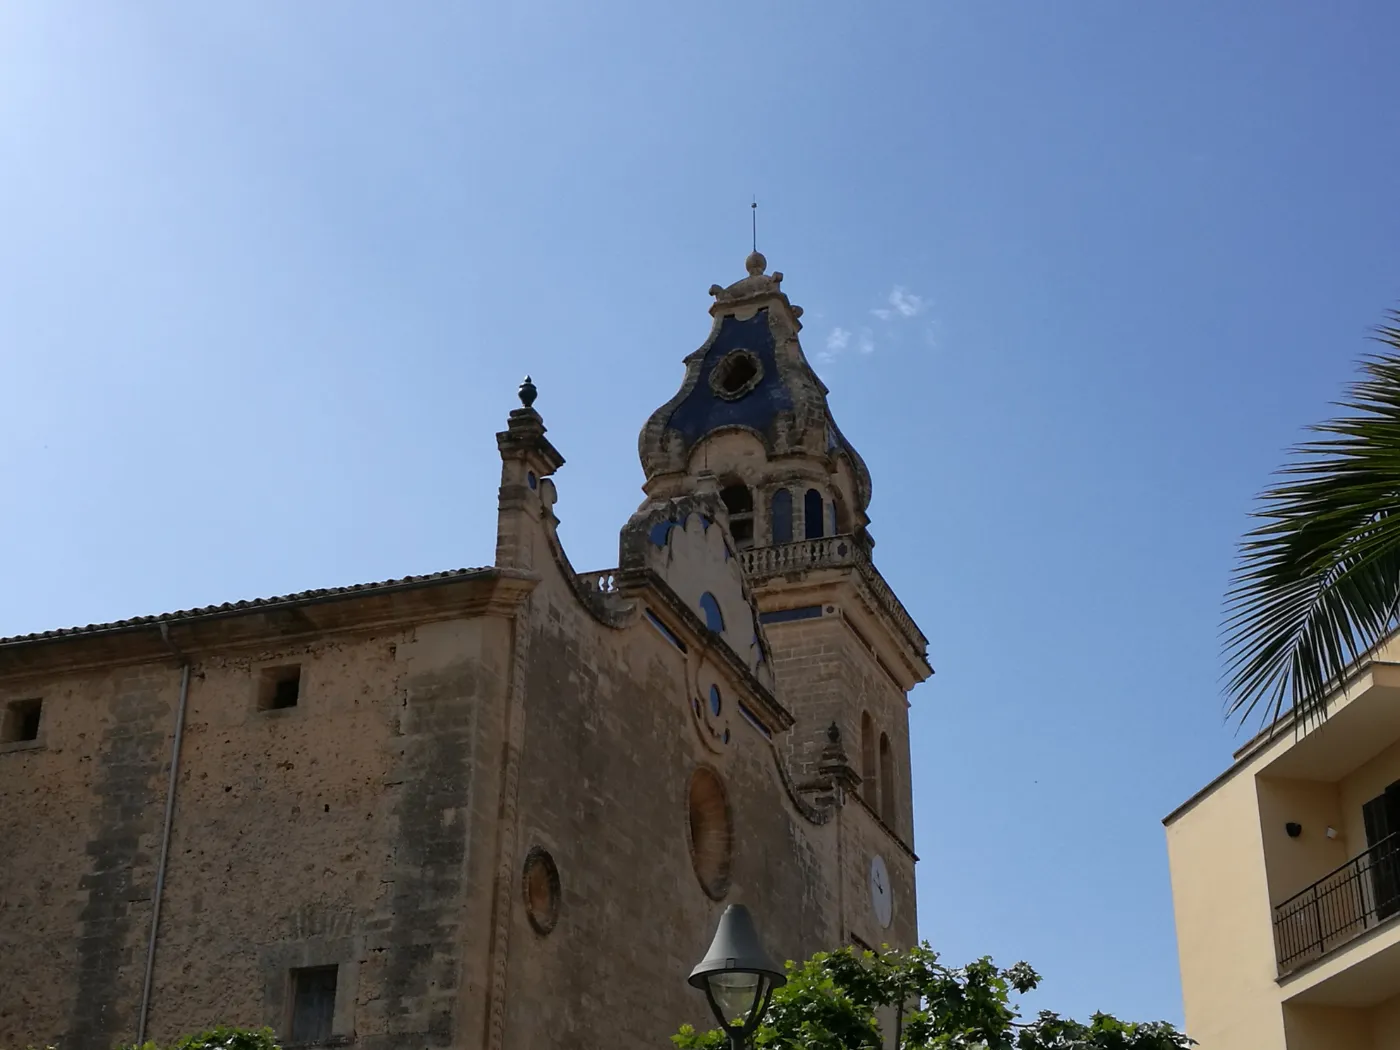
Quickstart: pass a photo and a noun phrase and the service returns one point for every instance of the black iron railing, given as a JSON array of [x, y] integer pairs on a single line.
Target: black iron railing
[[1362, 893]]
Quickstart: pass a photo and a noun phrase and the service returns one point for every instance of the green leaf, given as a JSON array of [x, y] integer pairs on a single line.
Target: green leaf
[[1318, 583], [833, 1001]]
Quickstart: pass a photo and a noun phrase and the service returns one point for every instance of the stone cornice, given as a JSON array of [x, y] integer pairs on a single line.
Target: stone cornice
[[642, 585], [630, 590], [271, 621], [904, 847], [821, 562]]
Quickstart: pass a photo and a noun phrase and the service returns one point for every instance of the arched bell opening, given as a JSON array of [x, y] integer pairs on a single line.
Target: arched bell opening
[[738, 500], [781, 516]]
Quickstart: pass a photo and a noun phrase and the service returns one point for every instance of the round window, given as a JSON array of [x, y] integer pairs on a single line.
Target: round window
[[736, 373], [541, 889], [711, 832]]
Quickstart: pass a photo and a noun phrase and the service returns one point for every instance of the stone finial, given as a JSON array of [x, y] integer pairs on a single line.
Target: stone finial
[[835, 779], [757, 285], [524, 437]]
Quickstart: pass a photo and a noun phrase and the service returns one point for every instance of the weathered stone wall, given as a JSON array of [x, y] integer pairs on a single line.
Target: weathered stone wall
[[334, 832], [809, 662], [346, 830], [80, 827], [610, 746], [825, 675]]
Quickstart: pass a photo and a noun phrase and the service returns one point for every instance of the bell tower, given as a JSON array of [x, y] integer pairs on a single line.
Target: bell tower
[[752, 417]]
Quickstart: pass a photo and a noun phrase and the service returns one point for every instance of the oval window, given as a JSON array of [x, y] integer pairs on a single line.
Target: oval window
[[541, 890], [736, 373], [715, 700], [711, 832]]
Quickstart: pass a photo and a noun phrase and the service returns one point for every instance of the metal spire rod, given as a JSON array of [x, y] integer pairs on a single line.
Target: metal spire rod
[[754, 212]]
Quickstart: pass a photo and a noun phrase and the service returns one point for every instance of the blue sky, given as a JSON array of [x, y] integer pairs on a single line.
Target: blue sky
[[1075, 273]]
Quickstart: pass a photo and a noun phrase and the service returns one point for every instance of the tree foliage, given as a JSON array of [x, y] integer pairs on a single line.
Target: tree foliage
[[1318, 583], [833, 1002], [222, 1037]]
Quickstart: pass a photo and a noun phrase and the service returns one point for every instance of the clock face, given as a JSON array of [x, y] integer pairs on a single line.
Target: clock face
[[881, 894]]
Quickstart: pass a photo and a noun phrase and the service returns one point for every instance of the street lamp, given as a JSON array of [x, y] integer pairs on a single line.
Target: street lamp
[[737, 976]]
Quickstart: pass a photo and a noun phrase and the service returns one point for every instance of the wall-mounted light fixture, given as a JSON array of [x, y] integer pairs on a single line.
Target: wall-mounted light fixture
[[1331, 832], [1294, 830]]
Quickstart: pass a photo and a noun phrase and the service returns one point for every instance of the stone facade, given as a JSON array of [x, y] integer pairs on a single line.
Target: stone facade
[[496, 807]]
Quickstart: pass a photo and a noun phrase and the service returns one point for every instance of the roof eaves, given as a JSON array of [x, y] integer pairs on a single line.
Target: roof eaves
[[208, 612]]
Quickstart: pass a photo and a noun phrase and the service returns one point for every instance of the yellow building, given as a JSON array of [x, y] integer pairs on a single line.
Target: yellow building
[[1286, 881]]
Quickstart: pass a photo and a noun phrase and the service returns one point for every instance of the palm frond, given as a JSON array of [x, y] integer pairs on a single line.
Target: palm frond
[[1318, 582]]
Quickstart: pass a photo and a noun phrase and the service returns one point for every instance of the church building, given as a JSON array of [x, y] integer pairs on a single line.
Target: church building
[[495, 808]]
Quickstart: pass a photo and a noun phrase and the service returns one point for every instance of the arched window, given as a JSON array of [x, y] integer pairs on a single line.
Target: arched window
[[886, 780], [738, 500], [714, 619], [812, 513], [782, 516], [840, 517], [868, 786]]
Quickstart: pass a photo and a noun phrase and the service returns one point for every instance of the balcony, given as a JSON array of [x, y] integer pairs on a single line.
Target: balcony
[[1339, 907], [832, 552]]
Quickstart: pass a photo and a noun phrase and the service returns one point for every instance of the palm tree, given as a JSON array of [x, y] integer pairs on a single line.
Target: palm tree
[[1318, 583]]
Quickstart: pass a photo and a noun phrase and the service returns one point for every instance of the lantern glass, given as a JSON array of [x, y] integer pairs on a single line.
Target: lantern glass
[[735, 995]]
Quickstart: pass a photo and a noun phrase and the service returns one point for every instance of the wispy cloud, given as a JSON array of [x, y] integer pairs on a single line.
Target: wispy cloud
[[906, 304], [837, 341], [900, 305]]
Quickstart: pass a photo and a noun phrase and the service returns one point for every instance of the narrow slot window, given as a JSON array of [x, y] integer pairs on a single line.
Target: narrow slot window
[[887, 805], [869, 786]]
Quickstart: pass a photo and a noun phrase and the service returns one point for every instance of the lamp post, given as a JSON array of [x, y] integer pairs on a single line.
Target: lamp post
[[737, 976]]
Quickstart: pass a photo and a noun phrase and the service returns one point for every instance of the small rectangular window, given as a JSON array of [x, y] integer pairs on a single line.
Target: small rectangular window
[[21, 721], [313, 1004], [279, 688]]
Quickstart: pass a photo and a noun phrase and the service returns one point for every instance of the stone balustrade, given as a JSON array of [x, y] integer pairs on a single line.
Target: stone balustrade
[[831, 552]]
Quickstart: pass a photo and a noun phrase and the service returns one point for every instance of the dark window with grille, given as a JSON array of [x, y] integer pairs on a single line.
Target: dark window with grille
[[313, 1004], [1382, 816]]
